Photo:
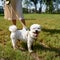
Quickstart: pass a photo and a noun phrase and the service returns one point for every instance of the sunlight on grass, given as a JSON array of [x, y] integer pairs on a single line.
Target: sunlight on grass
[[49, 36]]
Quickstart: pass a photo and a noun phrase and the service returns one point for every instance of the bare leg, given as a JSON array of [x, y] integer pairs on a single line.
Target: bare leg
[[23, 23], [14, 22]]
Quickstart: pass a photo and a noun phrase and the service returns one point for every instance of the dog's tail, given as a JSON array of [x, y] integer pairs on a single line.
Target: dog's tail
[[12, 28]]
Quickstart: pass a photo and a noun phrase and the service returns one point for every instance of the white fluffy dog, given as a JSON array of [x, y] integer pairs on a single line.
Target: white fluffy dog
[[24, 35]]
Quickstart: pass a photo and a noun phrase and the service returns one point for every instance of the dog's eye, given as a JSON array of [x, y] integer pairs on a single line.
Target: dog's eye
[[38, 28]]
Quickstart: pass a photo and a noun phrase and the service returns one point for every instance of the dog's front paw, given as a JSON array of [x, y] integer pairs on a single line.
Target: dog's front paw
[[14, 48], [30, 51]]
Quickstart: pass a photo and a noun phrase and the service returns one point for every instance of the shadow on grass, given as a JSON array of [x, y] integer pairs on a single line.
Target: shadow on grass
[[42, 47], [52, 31]]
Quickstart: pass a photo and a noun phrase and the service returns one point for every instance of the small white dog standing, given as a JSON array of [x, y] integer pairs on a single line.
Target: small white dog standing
[[24, 35]]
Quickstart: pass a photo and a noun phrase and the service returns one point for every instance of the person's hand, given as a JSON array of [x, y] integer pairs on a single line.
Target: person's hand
[[7, 2]]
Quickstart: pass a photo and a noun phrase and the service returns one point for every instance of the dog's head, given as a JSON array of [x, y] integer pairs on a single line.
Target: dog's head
[[35, 30]]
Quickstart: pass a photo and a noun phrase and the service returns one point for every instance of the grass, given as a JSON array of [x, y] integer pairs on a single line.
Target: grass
[[47, 46]]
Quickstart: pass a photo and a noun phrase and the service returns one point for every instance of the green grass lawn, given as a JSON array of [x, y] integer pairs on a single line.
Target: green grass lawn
[[47, 46]]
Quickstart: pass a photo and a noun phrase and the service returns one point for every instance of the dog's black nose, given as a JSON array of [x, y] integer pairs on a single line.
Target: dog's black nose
[[36, 31]]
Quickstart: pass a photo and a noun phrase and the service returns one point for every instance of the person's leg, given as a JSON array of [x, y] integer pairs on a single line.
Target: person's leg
[[14, 22], [13, 11], [23, 22], [19, 12]]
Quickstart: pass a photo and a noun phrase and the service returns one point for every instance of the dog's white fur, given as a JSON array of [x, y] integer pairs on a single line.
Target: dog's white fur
[[24, 35]]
